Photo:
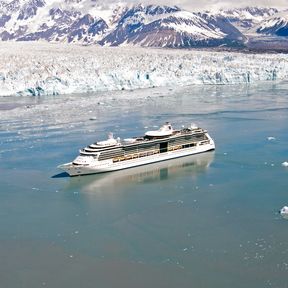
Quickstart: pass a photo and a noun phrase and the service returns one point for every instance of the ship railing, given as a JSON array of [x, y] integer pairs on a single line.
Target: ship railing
[[175, 147], [136, 155]]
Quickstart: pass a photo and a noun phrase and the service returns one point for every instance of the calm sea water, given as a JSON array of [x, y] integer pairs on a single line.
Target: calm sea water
[[203, 221]]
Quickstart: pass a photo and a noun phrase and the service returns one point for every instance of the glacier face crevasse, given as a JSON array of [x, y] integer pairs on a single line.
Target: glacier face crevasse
[[51, 69]]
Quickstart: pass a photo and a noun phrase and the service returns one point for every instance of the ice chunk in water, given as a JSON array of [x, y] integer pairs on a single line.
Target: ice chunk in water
[[284, 212], [271, 138], [285, 164]]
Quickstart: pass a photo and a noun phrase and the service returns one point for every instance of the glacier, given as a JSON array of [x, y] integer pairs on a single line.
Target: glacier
[[39, 68]]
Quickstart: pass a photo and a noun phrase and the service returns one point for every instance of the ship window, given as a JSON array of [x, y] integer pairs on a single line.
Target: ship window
[[189, 145], [201, 137], [109, 154]]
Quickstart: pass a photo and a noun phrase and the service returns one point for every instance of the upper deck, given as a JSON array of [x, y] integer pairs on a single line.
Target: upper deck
[[146, 141]]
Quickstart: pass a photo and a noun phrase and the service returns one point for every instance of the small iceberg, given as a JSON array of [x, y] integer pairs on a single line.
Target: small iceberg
[[285, 164], [271, 138], [284, 212]]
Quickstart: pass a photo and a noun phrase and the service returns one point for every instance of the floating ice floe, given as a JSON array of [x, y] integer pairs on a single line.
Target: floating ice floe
[[285, 164], [271, 138], [284, 212]]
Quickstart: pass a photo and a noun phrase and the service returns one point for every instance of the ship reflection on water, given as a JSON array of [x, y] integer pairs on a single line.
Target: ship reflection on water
[[193, 166]]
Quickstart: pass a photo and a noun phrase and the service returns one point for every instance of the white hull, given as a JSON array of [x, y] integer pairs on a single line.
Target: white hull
[[109, 165]]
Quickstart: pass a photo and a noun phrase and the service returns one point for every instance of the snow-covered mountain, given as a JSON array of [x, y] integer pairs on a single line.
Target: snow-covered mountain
[[276, 25], [163, 26], [248, 17], [67, 21], [87, 21], [122, 24]]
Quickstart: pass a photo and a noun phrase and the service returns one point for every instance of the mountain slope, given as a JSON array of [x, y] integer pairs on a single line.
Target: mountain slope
[[170, 27], [277, 25], [248, 17], [67, 21]]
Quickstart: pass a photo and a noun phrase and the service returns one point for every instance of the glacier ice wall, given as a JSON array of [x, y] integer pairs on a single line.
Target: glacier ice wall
[[51, 69]]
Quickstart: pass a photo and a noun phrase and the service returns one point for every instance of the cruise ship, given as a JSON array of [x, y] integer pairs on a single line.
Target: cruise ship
[[159, 145]]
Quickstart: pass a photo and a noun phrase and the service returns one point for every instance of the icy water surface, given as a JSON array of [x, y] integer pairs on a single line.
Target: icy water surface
[[203, 221]]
